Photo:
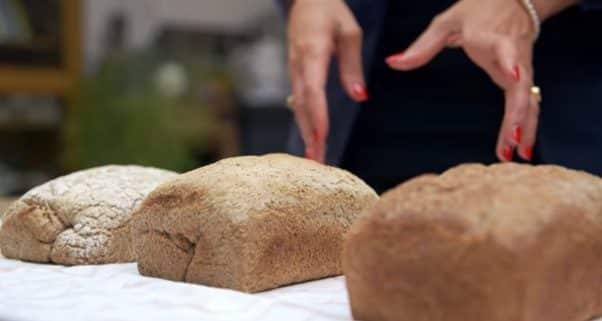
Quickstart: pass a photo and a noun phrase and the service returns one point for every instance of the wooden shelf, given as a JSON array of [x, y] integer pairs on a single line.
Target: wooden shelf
[[44, 80], [35, 80]]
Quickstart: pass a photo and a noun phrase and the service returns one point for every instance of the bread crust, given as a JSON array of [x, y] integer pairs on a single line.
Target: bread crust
[[504, 242], [249, 223]]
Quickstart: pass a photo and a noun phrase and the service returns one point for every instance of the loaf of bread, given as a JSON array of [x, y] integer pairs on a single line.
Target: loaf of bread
[[498, 243], [249, 223], [81, 218]]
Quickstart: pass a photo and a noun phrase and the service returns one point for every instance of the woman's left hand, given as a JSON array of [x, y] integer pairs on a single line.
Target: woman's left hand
[[498, 36]]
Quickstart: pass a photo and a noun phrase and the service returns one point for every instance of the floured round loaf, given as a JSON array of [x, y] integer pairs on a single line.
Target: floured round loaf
[[81, 218], [498, 243], [249, 223]]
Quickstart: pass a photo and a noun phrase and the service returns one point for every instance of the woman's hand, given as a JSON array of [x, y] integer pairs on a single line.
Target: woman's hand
[[317, 29], [498, 36]]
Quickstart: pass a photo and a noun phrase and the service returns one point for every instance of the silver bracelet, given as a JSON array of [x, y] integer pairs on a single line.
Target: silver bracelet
[[528, 5]]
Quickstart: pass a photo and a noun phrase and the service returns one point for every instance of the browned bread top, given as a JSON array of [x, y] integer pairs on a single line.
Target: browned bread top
[[250, 184], [507, 201]]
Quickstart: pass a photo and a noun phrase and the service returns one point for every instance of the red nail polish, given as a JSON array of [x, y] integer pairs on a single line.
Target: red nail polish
[[394, 59], [516, 73], [359, 92], [507, 153], [528, 152], [517, 134], [315, 132]]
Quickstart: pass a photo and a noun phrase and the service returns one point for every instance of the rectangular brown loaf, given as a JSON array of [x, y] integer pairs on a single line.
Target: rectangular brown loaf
[[249, 223]]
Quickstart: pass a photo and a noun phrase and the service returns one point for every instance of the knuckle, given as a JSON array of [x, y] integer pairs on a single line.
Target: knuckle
[[308, 47], [504, 46], [506, 42], [470, 36], [299, 101], [441, 22], [438, 20], [515, 115], [309, 91], [301, 46], [498, 47], [298, 106], [353, 33]]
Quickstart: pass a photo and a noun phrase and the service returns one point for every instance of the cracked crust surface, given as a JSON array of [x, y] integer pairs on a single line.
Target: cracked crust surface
[[504, 242], [249, 223], [81, 218]]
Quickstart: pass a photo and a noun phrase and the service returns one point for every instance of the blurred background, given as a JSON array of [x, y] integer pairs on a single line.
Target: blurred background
[[173, 84]]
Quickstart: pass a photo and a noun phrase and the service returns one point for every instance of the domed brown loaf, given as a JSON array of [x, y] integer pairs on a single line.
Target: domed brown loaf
[[249, 223], [80, 218], [498, 243]]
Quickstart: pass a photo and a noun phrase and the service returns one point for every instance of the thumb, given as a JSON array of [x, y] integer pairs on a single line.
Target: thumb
[[349, 52], [424, 49]]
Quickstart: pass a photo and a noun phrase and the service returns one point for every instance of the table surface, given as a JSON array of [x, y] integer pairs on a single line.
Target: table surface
[[44, 292]]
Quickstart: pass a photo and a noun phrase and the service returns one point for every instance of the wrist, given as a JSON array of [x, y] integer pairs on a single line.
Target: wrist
[[529, 7]]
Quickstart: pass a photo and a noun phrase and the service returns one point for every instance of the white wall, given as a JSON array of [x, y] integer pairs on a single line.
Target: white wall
[[146, 16]]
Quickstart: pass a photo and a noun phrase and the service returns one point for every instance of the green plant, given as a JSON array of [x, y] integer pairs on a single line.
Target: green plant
[[118, 117]]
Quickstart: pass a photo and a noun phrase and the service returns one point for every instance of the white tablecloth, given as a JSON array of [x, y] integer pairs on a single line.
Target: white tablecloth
[[116, 292]]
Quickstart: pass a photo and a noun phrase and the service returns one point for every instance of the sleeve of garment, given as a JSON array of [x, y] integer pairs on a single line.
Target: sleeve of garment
[[591, 4]]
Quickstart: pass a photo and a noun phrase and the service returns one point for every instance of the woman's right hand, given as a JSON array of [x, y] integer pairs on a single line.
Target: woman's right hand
[[318, 29]]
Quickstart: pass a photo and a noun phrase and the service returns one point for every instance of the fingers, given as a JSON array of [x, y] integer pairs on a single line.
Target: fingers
[[498, 57], [316, 29], [314, 71], [437, 36], [501, 50], [301, 116], [525, 149], [308, 66], [516, 112], [506, 57], [315, 107], [349, 52]]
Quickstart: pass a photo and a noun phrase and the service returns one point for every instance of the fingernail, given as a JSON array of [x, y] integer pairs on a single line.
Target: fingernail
[[516, 73], [528, 152], [517, 134], [315, 133], [395, 59], [507, 153], [359, 91]]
